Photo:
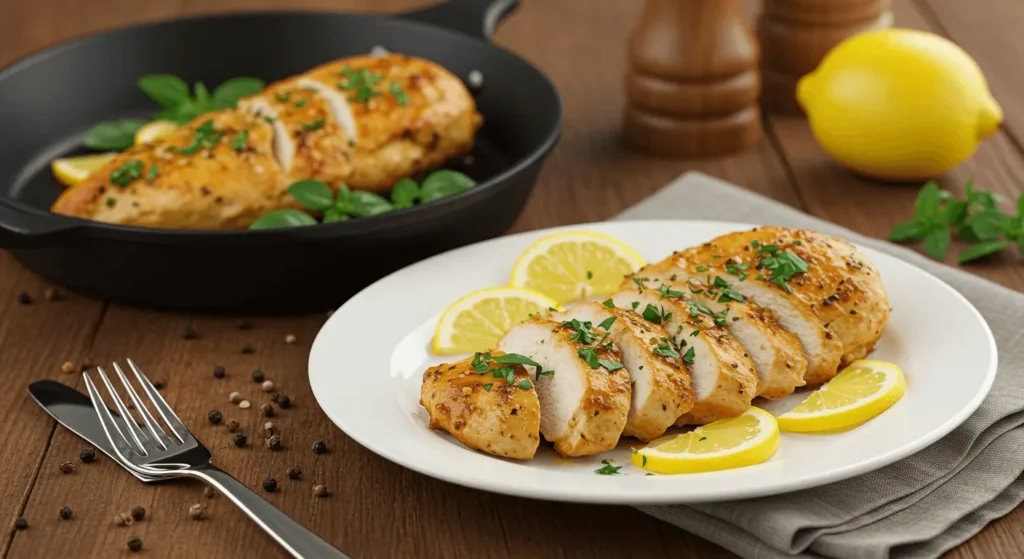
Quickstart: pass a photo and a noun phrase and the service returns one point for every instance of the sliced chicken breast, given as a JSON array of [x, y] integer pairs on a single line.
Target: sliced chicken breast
[[584, 390], [481, 411], [660, 382], [722, 375]]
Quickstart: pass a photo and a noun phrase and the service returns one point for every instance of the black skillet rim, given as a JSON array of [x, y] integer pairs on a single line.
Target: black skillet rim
[[355, 226]]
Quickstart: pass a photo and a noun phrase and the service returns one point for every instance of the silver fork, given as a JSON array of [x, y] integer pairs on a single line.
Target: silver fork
[[154, 452]]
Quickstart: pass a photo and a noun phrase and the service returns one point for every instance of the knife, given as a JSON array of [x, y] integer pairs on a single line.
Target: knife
[[74, 410]]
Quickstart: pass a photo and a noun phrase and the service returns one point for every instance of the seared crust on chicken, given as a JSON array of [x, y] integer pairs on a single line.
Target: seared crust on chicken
[[364, 121], [583, 408], [483, 412]]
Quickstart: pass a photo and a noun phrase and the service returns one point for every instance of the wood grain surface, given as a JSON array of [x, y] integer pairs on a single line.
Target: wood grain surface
[[377, 509]]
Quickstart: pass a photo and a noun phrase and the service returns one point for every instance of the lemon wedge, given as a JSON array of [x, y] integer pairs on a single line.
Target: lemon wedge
[[154, 131], [476, 321], [736, 442], [858, 393], [575, 265], [70, 171]]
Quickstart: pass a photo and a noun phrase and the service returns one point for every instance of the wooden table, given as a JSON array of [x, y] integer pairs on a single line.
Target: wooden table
[[378, 509]]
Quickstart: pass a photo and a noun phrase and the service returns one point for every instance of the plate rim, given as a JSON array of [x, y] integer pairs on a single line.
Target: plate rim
[[669, 498]]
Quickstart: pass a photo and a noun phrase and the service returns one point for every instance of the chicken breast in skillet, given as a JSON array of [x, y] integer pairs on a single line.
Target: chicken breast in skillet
[[722, 375], [483, 412], [584, 403], [364, 121], [660, 382], [819, 288]]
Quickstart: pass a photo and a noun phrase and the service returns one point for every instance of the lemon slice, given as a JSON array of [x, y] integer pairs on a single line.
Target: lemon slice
[[575, 265], [736, 442], [154, 131], [859, 392], [476, 321], [70, 171]]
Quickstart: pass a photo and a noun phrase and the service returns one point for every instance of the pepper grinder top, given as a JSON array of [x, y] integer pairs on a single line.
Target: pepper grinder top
[[693, 82]]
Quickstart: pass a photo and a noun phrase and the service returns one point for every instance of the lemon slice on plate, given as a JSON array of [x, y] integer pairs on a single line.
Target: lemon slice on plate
[[70, 171], [154, 131], [736, 442], [476, 321], [575, 265], [859, 392]]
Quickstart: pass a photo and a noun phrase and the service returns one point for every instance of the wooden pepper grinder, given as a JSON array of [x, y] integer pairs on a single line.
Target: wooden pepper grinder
[[693, 82], [796, 34]]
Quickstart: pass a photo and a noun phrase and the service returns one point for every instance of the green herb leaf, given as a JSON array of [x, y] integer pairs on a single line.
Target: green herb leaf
[[666, 351], [609, 303], [987, 224], [442, 183], [334, 215], [360, 203], [910, 230], [488, 386], [607, 323], [405, 193], [152, 172], [240, 141], [588, 355], [206, 137], [167, 90], [525, 384], [666, 291], [783, 265], [956, 212], [202, 100], [127, 173], [926, 206], [651, 314], [282, 97], [113, 135], [608, 469], [227, 94], [182, 114], [610, 365], [981, 249], [312, 126], [399, 94], [936, 242], [688, 356], [312, 194], [283, 218]]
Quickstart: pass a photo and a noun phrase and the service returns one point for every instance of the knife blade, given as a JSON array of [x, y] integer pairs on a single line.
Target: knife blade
[[74, 411]]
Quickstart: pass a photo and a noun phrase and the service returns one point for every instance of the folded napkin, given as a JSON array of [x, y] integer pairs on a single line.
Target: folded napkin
[[919, 507]]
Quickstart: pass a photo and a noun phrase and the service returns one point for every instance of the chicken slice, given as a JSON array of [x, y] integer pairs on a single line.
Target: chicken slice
[[481, 411], [722, 375], [660, 382], [584, 402]]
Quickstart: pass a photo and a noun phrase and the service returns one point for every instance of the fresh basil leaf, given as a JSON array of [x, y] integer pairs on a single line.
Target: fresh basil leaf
[[910, 230], [283, 218], [227, 94], [936, 242], [202, 97], [926, 206], [360, 203], [988, 224], [113, 135], [981, 249], [985, 199], [167, 90], [404, 193], [442, 183], [334, 215], [956, 212], [967, 234], [182, 114], [312, 194]]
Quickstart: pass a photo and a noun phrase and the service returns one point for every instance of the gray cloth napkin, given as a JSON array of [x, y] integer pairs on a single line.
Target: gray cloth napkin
[[919, 507]]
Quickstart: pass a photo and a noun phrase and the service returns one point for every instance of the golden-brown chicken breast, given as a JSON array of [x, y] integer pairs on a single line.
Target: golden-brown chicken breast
[[482, 411], [584, 400]]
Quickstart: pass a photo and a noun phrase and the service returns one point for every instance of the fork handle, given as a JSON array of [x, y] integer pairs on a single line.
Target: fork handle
[[294, 537]]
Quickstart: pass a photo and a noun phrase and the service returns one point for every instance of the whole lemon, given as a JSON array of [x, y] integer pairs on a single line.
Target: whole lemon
[[898, 104]]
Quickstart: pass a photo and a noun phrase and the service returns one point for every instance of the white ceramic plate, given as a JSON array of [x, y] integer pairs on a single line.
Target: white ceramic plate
[[366, 365]]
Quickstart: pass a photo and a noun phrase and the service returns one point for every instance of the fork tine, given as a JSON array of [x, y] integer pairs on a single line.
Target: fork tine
[[123, 410], [119, 441], [154, 428], [165, 411]]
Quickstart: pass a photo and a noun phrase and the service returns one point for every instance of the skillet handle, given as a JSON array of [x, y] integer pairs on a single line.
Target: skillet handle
[[18, 230], [474, 17]]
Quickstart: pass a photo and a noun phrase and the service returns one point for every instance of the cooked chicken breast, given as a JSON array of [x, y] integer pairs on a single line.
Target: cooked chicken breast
[[660, 382], [481, 411], [585, 402], [777, 354], [837, 308], [363, 121], [722, 375]]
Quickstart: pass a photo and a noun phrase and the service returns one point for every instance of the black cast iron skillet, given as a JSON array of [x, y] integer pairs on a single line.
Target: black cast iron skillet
[[49, 100]]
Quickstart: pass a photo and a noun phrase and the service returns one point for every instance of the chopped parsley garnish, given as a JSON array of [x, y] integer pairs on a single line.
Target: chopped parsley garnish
[[666, 351], [639, 283], [667, 291], [311, 126], [701, 268], [581, 331], [652, 314], [590, 275], [755, 243], [588, 355], [688, 356], [240, 141], [300, 103], [608, 469], [481, 366], [609, 303], [525, 384], [361, 82], [607, 323], [643, 461], [695, 333], [488, 387], [127, 173], [152, 172], [610, 365], [269, 119], [283, 98], [702, 439], [726, 292], [111, 202], [206, 137], [783, 265], [398, 93], [797, 242], [635, 304]]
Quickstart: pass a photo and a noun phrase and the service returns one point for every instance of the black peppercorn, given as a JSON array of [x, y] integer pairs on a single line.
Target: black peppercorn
[[66, 467], [270, 485], [138, 513], [218, 372], [319, 447], [189, 333], [65, 513], [214, 416], [24, 298], [239, 439], [244, 324], [274, 442], [20, 523], [159, 384], [247, 349], [268, 410], [257, 376], [135, 544], [283, 401], [87, 454], [295, 473]]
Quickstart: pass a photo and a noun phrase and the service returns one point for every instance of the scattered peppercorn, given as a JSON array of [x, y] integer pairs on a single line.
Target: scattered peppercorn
[[195, 512], [244, 404], [189, 333], [274, 442], [135, 544], [20, 523], [270, 485], [65, 513], [257, 376], [244, 324], [87, 454], [215, 417], [218, 372], [268, 410], [319, 447], [232, 425], [68, 367], [269, 428], [159, 384], [283, 401], [268, 386], [209, 492], [122, 520], [24, 298], [138, 513], [295, 473], [239, 439], [66, 466], [235, 397], [320, 490], [290, 339], [247, 349], [52, 294]]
